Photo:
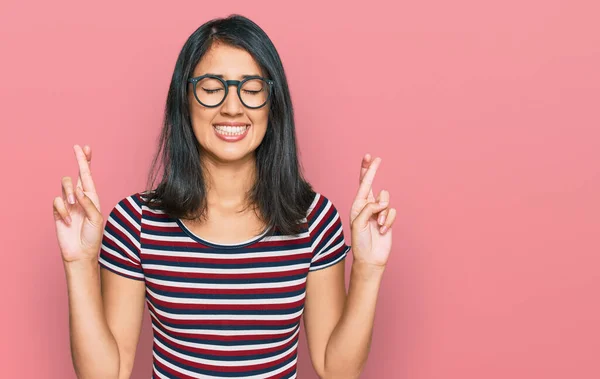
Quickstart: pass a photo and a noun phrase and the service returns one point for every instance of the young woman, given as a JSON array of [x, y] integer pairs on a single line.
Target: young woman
[[233, 246]]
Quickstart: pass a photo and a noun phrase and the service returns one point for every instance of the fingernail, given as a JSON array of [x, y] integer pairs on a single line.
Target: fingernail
[[383, 203], [71, 199], [68, 220], [380, 220], [383, 229]]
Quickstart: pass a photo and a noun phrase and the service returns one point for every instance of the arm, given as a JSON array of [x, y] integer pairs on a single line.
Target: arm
[[105, 320], [104, 316], [339, 327]]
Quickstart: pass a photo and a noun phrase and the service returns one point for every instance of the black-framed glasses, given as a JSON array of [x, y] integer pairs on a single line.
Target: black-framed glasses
[[210, 90]]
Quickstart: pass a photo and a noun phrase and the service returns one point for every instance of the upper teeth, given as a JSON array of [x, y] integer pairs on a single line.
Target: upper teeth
[[230, 129]]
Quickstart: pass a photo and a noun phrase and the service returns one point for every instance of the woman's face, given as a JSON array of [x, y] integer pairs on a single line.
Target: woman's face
[[229, 132]]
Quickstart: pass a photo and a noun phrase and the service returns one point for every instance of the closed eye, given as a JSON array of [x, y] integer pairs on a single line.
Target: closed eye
[[207, 90]]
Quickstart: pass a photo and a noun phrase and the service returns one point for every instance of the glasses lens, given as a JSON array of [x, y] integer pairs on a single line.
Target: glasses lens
[[210, 91], [254, 92]]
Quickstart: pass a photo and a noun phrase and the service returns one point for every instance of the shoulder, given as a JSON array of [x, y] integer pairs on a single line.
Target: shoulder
[[132, 202], [131, 207], [321, 209]]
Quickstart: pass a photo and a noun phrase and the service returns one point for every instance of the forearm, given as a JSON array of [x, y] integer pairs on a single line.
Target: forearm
[[350, 341], [93, 348]]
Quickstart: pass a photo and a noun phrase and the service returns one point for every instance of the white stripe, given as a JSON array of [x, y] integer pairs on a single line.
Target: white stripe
[[190, 300], [214, 332], [203, 376], [326, 228], [321, 215], [213, 362], [329, 263], [128, 254], [165, 223], [313, 204], [135, 223], [158, 373], [247, 316], [325, 250], [166, 238], [227, 256], [154, 211], [228, 271], [133, 240], [138, 210], [121, 270], [224, 347], [226, 286]]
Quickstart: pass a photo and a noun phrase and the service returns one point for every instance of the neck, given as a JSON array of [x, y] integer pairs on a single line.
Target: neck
[[229, 182]]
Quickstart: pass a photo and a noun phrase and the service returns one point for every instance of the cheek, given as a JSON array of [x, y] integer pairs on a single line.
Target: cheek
[[201, 119], [261, 120]]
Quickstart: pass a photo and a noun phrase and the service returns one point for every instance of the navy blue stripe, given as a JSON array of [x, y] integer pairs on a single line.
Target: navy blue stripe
[[117, 234], [239, 340], [175, 263], [119, 265], [328, 232], [128, 209], [113, 245], [226, 357], [330, 258], [109, 258], [289, 246], [226, 374], [336, 240], [262, 312], [216, 327]]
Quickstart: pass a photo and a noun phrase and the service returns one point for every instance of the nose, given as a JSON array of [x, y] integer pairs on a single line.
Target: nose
[[232, 105]]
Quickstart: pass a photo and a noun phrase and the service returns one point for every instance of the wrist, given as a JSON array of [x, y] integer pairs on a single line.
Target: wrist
[[367, 270], [80, 265]]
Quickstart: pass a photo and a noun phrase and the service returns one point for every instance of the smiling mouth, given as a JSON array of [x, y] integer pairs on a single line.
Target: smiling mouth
[[232, 131]]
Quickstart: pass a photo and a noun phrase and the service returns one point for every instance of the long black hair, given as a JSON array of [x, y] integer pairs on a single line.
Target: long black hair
[[280, 194]]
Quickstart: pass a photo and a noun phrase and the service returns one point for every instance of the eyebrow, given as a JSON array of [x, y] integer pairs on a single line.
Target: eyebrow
[[222, 77]]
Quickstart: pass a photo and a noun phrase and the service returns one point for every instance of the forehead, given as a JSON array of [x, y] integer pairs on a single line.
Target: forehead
[[230, 61]]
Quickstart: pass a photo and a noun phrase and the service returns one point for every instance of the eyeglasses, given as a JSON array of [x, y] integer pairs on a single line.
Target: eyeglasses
[[210, 90]]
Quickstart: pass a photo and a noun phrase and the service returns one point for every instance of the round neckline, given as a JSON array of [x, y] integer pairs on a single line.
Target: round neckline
[[203, 241]]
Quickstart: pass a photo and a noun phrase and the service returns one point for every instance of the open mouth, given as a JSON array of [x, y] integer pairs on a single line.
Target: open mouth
[[231, 131]]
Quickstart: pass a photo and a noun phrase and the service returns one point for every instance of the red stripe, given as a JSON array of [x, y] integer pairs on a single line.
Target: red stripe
[[206, 276], [226, 291], [221, 368]]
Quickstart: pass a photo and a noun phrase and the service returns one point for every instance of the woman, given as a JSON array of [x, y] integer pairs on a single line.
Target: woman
[[233, 246]]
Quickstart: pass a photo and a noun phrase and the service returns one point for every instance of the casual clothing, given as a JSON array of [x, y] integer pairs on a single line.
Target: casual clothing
[[221, 310]]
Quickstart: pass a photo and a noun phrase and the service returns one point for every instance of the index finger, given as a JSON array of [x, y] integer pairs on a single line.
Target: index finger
[[84, 170], [366, 162], [367, 180]]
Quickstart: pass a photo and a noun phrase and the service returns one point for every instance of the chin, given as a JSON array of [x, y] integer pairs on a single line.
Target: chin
[[232, 154]]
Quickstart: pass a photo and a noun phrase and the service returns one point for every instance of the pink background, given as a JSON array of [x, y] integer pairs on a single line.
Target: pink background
[[486, 115]]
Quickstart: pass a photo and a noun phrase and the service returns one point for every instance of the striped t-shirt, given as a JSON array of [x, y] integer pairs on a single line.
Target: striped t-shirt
[[221, 311]]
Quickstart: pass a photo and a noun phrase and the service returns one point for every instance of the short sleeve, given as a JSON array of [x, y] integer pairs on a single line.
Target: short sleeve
[[120, 250], [327, 234]]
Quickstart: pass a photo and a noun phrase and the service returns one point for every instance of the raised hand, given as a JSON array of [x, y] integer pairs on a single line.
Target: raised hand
[[371, 219], [79, 223]]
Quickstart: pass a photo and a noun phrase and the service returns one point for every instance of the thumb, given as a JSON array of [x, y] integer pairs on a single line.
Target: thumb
[[89, 207], [362, 220]]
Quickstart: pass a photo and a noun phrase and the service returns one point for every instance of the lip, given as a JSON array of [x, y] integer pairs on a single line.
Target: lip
[[232, 138], [231, 123]]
